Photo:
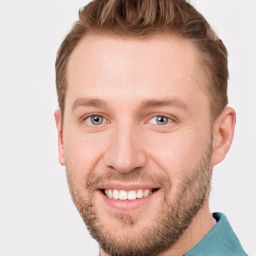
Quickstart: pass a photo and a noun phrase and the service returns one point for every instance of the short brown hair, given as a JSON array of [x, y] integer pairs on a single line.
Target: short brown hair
[[141, 18]]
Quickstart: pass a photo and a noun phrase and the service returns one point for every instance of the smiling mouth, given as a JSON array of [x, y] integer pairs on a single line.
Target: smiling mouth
[[127, 195]]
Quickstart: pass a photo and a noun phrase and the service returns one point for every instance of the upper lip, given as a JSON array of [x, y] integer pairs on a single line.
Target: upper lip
[[126, 187]]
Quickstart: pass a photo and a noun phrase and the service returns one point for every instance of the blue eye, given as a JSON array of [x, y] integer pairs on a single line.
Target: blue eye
[[160, 120], [96, 119]]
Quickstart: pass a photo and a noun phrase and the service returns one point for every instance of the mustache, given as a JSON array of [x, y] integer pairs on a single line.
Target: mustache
[[137, 176]]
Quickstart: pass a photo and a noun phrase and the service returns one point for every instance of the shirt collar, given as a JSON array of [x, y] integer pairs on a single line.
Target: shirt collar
[[220, 240]]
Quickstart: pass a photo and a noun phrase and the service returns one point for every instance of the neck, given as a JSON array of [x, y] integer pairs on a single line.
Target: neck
[[201, 224], [199, 227]]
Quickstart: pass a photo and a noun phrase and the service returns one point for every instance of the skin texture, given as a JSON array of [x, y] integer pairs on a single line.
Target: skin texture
[[128, 82]]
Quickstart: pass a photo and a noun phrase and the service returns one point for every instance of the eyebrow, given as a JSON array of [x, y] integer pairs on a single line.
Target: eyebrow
[[93, 102], [88, 102], [174, 102]]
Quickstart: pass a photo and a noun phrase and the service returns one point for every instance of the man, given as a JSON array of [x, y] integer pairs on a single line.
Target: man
[[143, 119]]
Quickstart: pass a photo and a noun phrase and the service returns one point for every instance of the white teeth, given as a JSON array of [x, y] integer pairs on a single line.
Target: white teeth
[[140, 193], [132, 195], [123, 195], [115, 194], [146, 192], [127, 195], [110, 193]]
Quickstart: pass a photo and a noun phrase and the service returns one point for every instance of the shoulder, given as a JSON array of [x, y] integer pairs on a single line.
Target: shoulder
[[221, 240]]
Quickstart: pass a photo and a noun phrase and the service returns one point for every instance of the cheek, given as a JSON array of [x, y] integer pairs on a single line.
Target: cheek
[[177, 153], [82, 152]]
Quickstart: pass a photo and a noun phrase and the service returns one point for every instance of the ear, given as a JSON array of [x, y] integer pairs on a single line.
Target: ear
[[223, 133], [57, 115]]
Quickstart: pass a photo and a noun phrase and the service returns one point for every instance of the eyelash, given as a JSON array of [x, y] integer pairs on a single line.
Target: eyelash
[[96, 115], [169, 119]]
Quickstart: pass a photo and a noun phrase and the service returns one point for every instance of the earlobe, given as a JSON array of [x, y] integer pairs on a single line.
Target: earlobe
[[223, 133], [61, 157]]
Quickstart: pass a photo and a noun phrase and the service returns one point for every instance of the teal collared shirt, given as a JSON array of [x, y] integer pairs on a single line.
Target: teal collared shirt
[[219, 241]]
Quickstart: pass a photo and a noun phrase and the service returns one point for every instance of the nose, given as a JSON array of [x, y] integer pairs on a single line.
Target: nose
[[125, 150]]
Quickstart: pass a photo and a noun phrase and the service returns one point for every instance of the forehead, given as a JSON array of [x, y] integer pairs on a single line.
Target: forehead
[[117, 67]]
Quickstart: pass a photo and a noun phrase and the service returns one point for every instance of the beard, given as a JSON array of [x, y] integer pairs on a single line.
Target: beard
[[173, 216]]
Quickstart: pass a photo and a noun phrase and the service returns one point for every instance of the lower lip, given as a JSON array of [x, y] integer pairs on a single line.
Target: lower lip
[[126, 205]]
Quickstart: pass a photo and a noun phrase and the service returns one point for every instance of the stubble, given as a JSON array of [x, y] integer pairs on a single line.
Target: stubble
[[173, 218]]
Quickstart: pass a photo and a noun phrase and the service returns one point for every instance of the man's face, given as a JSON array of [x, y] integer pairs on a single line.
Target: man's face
[[136, 128]]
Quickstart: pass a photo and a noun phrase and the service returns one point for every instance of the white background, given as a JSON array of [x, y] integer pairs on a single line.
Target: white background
[[37, 216]]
